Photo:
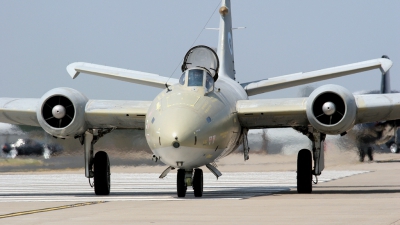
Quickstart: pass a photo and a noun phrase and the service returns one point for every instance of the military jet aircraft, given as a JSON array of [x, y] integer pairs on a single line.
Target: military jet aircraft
[[380, 132], [205, 114]]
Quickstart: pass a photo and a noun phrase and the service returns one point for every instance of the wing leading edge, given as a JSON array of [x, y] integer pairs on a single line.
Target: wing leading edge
[[286, 81], [292, 112], [118, 114], [149, 79]]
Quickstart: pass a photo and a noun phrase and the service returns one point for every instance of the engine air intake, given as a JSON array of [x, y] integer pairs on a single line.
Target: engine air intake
[[58, 111], [329, 108]]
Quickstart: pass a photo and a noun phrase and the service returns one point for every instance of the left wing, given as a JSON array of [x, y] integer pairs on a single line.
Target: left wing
[[132, 76], [302, 112]]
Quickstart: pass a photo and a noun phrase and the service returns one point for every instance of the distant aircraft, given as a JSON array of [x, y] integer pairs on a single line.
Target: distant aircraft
[[378, 133], [30, 147], [205, 114]]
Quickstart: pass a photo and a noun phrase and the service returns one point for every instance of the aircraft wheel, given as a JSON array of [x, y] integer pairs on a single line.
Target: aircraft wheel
[[394, 148], [102, 173], [198, 182], [370, 154], [180, 183], [361, 155], [304, 173]]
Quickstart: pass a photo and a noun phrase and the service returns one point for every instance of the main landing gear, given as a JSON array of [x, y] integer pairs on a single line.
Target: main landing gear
[[304, 171], [97, 167], [305, 158], [101, 174], [187, 178]]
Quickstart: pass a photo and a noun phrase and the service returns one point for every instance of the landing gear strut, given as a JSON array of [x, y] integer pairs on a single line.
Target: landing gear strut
[[97, 167], [305, 158]]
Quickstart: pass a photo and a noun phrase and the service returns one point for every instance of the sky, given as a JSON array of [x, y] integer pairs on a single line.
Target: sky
[[38, 39]]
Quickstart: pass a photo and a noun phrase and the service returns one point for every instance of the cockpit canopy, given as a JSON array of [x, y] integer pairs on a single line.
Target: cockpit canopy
[[202, 57], [197, 78]]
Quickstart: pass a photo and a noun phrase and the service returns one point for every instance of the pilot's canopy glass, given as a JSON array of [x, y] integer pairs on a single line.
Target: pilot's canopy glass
[[203, 57]]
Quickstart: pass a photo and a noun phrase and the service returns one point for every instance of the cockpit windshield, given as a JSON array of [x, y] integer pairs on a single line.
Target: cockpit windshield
[[195, 78], [209, 82]]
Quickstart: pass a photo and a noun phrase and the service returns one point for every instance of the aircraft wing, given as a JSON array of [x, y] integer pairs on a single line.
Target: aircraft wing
[[149, 79], [286, 81], [20, 111], [119, 114], [292, 112], [270, 113]]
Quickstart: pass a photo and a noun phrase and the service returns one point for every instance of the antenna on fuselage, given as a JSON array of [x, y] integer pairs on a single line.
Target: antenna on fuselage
[[201, 31]]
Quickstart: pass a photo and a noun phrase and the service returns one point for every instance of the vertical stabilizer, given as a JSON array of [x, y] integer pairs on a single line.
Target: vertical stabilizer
[[225, 41], [385, 83]]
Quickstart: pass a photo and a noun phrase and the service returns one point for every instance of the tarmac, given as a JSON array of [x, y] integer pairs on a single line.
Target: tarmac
[[368, 194]]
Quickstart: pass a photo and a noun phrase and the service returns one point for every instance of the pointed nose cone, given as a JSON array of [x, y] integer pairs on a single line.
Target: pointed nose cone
[[173, 137], [180, 125]]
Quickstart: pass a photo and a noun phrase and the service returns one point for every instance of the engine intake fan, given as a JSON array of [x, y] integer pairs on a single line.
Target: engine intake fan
[[331, 109], [58, 111], [61, 112]]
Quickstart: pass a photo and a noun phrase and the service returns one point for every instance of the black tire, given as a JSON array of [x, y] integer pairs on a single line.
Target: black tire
[[361, 154], [304, 171], [198, 182], [102, 174], [180, 183], [370, 153]]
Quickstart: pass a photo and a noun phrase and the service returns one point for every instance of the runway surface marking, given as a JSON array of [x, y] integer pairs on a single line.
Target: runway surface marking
[[48, 209], [148, 187]]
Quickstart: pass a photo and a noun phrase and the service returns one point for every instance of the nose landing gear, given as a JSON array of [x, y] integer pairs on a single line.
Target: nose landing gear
[[198, 182], [184, 179], [180, 183]]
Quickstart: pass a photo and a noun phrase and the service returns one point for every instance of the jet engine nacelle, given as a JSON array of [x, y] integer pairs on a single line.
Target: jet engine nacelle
[[331, 109], [61, 112]]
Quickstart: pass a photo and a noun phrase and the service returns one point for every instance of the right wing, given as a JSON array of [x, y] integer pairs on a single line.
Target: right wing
[[118, 114], [286, 81], [132, 76]]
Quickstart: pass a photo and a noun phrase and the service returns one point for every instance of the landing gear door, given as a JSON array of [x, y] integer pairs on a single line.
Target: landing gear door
[[203, 57]]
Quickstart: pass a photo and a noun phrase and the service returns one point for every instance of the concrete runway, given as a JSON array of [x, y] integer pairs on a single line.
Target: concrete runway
[[347, 193]]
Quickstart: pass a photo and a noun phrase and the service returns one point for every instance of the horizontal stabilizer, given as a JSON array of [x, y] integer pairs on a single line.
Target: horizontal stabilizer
[[132, 76], [291, 80]]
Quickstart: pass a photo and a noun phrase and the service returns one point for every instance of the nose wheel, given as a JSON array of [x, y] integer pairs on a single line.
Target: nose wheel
[[101, 173], [304, 171], [180, 183], [198, 182], [188, 178]]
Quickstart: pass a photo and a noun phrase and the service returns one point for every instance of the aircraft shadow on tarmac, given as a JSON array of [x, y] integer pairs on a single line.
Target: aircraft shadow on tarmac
[[225, 193]]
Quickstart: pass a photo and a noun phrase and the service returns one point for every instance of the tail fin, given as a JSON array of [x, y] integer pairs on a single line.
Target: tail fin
[[225, 45], [385, 82]]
